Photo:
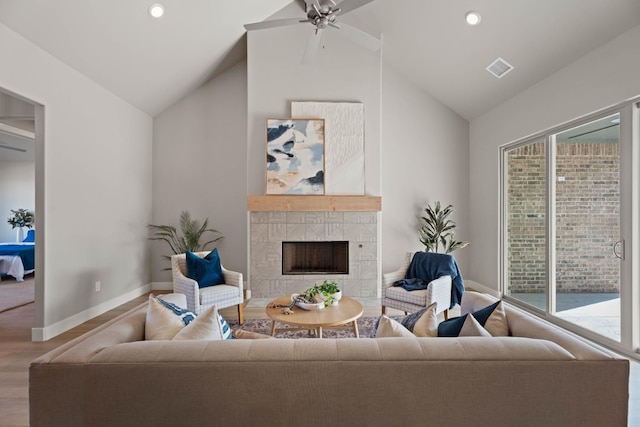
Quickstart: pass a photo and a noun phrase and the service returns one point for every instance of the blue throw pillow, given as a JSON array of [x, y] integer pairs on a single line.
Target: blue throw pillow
[[226, 330], [31, 236], [206, 271]]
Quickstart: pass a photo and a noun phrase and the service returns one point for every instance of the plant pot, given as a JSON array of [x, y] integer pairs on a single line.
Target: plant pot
[[337, 296]]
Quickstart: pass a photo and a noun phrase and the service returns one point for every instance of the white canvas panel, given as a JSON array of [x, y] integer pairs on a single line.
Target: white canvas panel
[[344, 143]]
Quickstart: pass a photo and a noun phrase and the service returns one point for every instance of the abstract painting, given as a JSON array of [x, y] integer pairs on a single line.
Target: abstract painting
[[295, 156], [344, 143]]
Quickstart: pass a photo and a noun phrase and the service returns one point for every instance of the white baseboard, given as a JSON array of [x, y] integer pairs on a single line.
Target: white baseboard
[[48, 332], [161, 286], [471, 285]]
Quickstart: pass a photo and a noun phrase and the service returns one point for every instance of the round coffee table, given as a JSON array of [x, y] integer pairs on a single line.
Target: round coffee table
[[344, 315]]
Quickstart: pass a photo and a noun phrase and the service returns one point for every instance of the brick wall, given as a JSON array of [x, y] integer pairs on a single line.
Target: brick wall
[[587, 218]]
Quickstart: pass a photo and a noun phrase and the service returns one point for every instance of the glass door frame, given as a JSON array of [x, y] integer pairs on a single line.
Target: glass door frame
[[629, 226]]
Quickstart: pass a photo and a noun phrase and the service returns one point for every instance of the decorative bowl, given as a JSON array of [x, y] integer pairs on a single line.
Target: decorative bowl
[[305, 306]]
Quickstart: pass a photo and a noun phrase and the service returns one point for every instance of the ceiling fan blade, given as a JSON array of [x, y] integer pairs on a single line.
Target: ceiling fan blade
[[360, 37], [273, 23], [312, 3], [347, 6], [8, 147], [312, 47]]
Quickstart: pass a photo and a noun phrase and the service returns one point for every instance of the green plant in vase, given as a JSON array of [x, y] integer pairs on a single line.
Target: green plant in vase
[[330, 292]]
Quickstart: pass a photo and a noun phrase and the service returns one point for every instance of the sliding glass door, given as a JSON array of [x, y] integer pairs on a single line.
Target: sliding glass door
[[588, 246], [525, 215], [566, 209]]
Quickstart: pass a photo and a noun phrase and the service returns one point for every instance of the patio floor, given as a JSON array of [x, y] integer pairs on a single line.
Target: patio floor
[[598, 312]]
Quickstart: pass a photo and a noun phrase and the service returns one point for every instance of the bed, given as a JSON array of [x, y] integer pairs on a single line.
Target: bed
[[18, 259]]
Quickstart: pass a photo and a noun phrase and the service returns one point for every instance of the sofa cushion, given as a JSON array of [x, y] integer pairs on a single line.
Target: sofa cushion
[[206, 326], [388, 327], [423, 323], [206, 271], [418, 297], [165, 319]]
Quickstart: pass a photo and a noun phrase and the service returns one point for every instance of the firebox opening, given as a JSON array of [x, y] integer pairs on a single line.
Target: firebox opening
[[315, 257]]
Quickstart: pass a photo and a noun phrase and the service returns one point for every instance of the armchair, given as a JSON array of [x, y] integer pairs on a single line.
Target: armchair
[[439, 290], [199, 299]]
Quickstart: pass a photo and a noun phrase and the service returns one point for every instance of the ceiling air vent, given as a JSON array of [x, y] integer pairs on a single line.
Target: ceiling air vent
[[499, 67]]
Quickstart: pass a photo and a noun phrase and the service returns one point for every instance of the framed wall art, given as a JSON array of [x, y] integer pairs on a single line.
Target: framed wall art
[[343, 143], [295, 156]]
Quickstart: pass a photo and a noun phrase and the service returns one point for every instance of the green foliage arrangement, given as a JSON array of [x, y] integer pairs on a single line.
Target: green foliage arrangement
[[327, 289], [21, 218], [438, 230], [187, 238]]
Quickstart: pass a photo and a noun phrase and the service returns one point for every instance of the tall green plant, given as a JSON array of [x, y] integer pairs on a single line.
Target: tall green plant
[[187, 238], [438, 230]]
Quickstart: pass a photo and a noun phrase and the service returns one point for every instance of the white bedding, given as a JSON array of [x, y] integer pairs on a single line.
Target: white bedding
[[12, 264]]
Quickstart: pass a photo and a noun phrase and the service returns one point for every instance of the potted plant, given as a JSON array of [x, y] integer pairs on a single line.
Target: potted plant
[[21, 218], [330, 292], [187, 238], [438, 230], [318, 296]]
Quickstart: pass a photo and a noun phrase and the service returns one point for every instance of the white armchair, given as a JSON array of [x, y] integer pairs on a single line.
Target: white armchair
[[222, 296], [439, 290]]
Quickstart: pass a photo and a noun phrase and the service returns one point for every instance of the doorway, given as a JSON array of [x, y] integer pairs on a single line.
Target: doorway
[[21, 126]]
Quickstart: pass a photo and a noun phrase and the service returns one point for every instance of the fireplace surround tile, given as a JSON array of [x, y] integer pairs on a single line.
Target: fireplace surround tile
[[272, 228]]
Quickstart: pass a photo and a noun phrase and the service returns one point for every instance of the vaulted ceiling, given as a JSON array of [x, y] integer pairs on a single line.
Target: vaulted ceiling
[[151, 63]]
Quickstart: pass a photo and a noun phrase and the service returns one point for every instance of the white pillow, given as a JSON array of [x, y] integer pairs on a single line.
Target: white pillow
[[164, 319], [427, 324], [388, 327], [497, 324], [205, 327], [472, 328]]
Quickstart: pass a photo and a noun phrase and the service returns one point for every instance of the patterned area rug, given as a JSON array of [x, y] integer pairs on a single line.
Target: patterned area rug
[[263, 326]]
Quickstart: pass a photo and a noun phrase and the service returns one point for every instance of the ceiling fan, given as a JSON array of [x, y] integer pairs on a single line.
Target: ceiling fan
[[323, 14]]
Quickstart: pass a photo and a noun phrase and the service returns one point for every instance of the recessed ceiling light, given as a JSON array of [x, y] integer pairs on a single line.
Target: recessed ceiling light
[[156, 10], [472, 17]]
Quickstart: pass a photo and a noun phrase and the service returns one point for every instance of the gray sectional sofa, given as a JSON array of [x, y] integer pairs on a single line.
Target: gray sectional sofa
[[540, 376]]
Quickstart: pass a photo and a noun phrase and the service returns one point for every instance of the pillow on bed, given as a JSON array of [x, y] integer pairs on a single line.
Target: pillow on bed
[[31, 236]]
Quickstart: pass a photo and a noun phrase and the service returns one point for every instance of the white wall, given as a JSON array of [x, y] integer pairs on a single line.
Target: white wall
[[97, 188], [342, 71], [425, 157], [200, 165], [606, 76], [17, 190]]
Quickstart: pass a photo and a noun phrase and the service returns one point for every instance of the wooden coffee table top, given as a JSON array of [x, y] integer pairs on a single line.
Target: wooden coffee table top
[[347, 310]]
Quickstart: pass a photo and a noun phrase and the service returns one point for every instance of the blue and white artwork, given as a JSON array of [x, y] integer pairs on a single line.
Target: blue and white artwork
[[295, 156]]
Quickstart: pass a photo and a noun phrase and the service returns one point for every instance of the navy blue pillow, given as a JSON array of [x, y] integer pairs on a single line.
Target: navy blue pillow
[[206, 271], [452, 327]]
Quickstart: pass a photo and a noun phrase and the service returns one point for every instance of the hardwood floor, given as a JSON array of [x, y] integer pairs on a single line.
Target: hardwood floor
[[17, 351]]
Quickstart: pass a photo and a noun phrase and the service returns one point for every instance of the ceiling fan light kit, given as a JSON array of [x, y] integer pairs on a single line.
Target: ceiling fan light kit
[[322, 15]]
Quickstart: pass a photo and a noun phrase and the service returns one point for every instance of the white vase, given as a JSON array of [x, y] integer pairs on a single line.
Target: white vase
[[19, 234]]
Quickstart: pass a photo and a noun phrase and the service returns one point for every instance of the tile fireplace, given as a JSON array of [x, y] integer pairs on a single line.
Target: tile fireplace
[[335, 245]]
